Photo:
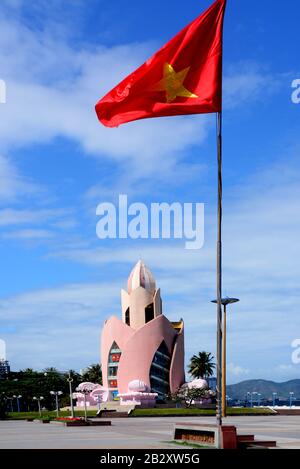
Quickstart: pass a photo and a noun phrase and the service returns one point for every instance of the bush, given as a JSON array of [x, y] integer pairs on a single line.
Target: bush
[[188, 396]]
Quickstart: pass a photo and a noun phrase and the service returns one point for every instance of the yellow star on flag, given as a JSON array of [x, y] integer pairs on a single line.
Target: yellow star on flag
[[172, 84]]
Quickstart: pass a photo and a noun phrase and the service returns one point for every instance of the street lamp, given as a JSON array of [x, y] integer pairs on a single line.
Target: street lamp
[[224, 301], [258, 399], [228, 399], [18, 402], [56, 394], [98, 399], [11, 402], [39, 399], [274, 398], [70, 381], [85, 390], [291, 398], [253, 394]]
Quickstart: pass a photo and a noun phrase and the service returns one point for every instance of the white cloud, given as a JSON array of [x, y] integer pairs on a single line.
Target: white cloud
[[12, 184], [246, 82], [11, 216], [287, 368], [66, 224], [236, 370], [38, 225], [59, 325], [261, 249], [29, 234], [52, 90]]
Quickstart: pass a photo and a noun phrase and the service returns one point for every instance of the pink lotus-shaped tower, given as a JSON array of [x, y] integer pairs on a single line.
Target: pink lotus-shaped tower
[[145, 345]]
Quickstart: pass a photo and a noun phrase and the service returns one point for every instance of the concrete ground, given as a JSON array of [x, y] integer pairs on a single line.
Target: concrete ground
[[145, 433]]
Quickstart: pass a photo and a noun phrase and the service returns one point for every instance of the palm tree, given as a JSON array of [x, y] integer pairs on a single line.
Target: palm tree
[[50, 369], [202, 365], [93, 373]]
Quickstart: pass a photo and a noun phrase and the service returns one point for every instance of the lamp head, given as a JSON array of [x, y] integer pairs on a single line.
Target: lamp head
[[226, 301]]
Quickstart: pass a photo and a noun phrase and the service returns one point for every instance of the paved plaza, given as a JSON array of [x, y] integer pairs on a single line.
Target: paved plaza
[[145, 433]]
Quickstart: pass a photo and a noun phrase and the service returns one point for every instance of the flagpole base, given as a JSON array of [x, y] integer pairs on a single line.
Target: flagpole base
[[214, 436]]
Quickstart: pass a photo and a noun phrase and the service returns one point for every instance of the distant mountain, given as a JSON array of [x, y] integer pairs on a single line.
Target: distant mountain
[[265, 388]]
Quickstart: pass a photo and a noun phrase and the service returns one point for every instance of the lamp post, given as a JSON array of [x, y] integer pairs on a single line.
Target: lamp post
[[291, 398], [85, 389], [274, 398], [11, 403], [258, 399], [56, 394], [98, 399], [18, 401], [39, 399], [254, 393], [224, 301], [70, 381], [228, 399]]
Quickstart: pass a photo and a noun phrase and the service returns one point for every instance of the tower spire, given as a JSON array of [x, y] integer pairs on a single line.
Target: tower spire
[[141, 276]]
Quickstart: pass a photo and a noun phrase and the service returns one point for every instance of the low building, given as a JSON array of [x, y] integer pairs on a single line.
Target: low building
[[212, 383], [4, 368]]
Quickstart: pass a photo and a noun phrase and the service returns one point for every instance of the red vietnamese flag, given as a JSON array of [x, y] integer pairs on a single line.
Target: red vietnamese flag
[[184, 77]]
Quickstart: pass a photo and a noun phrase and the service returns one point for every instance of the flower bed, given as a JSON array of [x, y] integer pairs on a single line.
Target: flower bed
[[71, 421], [77, 422]]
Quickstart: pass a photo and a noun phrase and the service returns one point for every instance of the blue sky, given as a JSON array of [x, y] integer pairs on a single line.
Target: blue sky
[[58, 281]]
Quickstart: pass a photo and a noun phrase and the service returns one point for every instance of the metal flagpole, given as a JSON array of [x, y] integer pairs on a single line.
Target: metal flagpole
[[224, 332], [219, 274], [220, 358]]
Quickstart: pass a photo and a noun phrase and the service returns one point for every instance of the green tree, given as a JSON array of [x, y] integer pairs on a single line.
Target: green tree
[[93, 373], [30, 383], [202, 365], [28, 372], [189, 395], [52, 370], [77, 378]]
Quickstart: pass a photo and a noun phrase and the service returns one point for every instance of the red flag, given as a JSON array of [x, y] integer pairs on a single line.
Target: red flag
[[184, 77]]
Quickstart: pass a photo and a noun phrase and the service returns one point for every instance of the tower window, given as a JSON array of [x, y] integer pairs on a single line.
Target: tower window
[[160, 371], [127, 317], [113, 363], [149, 313]]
